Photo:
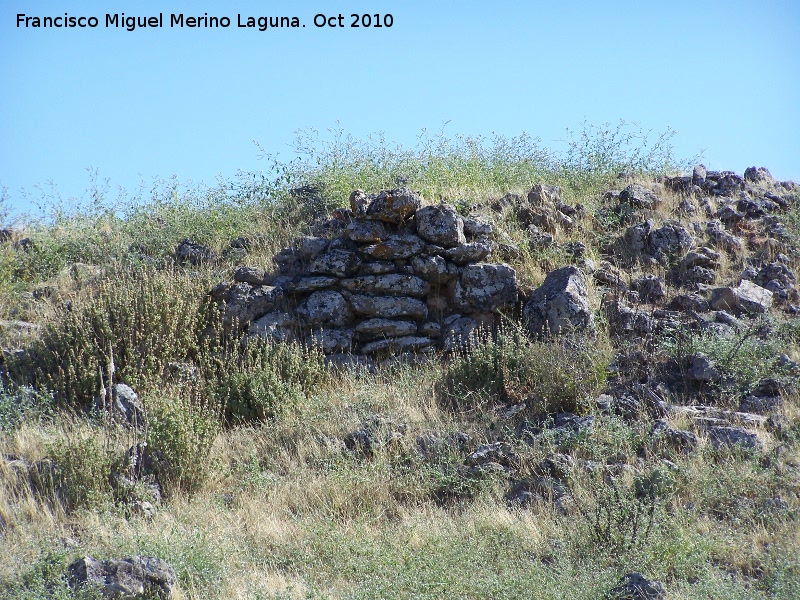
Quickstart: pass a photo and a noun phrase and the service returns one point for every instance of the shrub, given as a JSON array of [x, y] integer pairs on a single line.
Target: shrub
[[181, 432], [744, 357], [264, 380], [139, 319], [80, 474], [19, 405], [622, 518], [551, 376]]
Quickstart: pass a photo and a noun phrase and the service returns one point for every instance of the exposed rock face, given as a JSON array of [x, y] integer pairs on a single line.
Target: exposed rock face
[[136, 578], [561, 304]]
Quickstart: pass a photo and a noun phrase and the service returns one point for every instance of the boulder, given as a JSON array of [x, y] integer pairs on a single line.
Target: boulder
[[498, 456], [125, 405], [733, 437], [723, 239], [434, 269], [560, 304], [458, 332], [440, 225], [275, 326], [544, 195], [251, 275], [485, 287], [669, 239], [338, 263], [358, 203], [650, 288], [758, 175], [245, 303], [138, 577], [703, 369], [638, 196], [366, 232], [477, 227], [331, 340], [393, 206], [747, 297], [376, 432], [193, 253]]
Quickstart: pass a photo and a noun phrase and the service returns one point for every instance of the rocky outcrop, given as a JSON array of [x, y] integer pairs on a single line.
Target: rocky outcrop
[[399, 278]]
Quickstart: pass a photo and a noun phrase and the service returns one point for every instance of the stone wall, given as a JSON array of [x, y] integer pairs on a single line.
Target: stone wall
[[399, 277]]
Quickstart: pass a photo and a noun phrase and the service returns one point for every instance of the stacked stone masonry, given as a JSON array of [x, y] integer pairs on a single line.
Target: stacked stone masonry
[[401, 278]]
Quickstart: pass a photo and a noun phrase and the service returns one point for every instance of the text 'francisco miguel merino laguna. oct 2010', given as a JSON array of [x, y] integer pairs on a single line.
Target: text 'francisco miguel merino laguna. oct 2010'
[[206, 21]]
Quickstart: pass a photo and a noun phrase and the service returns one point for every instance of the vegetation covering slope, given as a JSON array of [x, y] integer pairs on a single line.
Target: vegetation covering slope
[[354, 484]]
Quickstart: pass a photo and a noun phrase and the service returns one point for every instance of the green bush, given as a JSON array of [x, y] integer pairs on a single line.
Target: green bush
[[622, 518], [19, 405], [181, 432], [744, 357], [550, 376], [264, 380], [80, 477], [140, 319], [45, 579]]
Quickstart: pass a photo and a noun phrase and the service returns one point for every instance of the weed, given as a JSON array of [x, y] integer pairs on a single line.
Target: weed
[[551, 376], [621, 519], [139, 320], [80, 477], [263, 380], [181, 432]]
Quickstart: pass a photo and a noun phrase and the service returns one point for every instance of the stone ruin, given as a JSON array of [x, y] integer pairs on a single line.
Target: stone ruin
[[398, 278]]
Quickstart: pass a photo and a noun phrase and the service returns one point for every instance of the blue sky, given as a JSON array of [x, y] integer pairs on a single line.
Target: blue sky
[[154, 103]]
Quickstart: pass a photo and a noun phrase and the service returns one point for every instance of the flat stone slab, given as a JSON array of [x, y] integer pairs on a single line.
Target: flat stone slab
[[468, 253], [392, 284], [388, 307], [400, 344], [395, 247], [306, 285], [372, 329]]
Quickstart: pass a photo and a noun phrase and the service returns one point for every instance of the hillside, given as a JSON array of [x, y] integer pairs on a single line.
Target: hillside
[[469, 369]]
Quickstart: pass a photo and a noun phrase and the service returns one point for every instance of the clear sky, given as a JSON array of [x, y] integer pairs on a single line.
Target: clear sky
[[153, 103]]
